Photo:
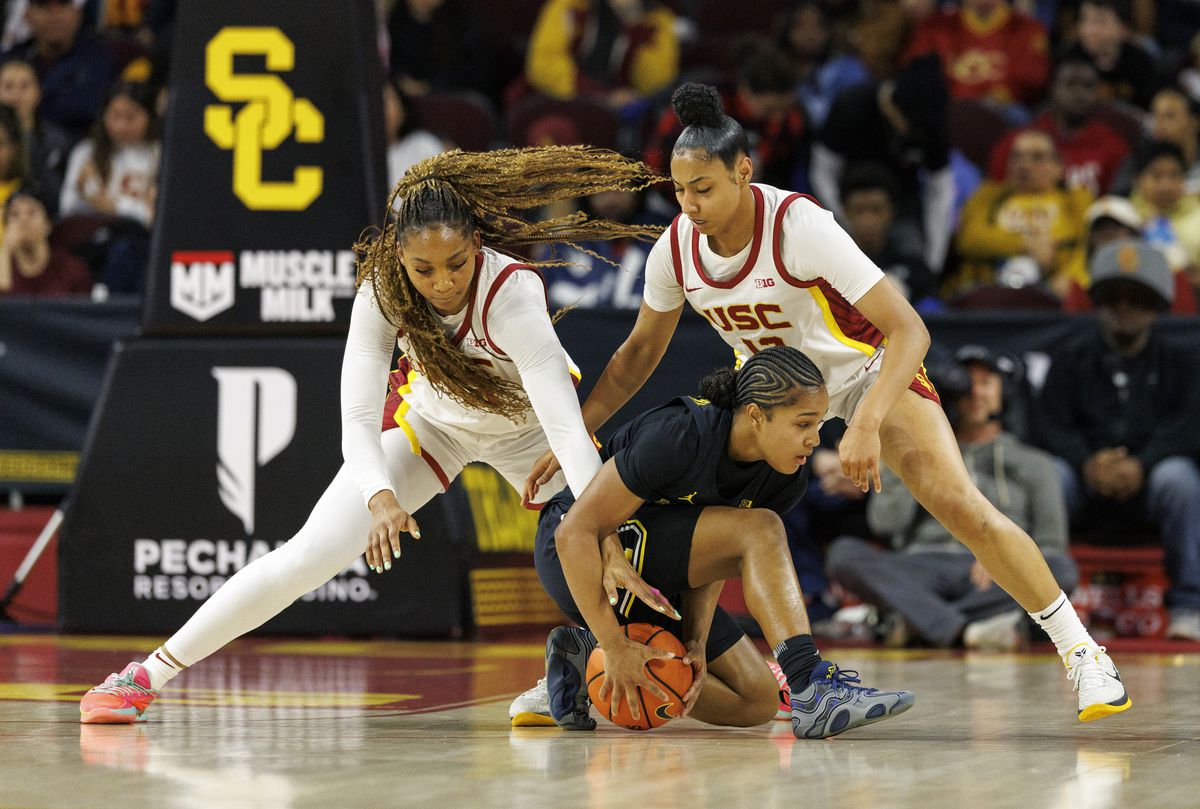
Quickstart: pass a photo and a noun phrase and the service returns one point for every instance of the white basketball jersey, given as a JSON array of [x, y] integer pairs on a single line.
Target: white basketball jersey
[[492, 271], [781, 294]]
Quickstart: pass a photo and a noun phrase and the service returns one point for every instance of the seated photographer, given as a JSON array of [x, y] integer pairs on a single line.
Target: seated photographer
[[930, 584]]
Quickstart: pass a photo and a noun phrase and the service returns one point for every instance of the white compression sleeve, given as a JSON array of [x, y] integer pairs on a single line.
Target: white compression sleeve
[[522, 329], [364, 387]]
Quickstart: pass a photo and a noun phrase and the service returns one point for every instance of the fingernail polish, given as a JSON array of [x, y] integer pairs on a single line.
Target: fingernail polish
[[416, 534], [396, 554], [387, 565], [678, 617], [612, 600]]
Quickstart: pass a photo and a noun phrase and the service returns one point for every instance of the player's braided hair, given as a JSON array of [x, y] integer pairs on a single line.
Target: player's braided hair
[[706, 127], [768, 379], [488, 192]]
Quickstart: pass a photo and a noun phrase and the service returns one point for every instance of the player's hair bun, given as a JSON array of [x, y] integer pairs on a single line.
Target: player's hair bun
[[720, 388], [698, 105]]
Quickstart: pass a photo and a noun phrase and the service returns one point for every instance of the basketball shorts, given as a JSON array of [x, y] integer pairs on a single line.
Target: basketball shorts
[[658, 540]]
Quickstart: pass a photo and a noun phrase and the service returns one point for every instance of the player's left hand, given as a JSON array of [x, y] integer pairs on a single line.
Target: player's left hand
[[694, 658], [859, 450], [619, 574]]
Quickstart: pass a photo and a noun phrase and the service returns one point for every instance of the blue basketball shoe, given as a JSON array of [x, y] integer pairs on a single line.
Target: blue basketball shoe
[[567, 653], [833, 703]]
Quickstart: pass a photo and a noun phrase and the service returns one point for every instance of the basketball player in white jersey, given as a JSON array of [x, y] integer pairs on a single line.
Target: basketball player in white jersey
[[767, 267], [484, 379]]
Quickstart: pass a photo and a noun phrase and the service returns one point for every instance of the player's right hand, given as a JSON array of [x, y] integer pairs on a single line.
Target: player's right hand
[[625, 671], [388, 520], [544, 468], [619, 574]]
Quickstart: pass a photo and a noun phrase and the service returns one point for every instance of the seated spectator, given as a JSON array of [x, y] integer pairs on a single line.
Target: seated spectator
[[621, 50], [114, 174], [74, 67], [1092, 152], [606, 274], [1189, 77], [763, 103], [1172, 217], [438, 45], [408, 144], [1119, 410], [1027, 230], [902, 122], [805, 38], [1112, 219], [1127, 72], [46, 143], [989, 52], [28, 264], [1176, 118], [14, 161], [942, 594], [869, 206]]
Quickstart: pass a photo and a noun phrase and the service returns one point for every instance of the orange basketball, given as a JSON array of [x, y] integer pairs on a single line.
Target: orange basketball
[[673, 676]]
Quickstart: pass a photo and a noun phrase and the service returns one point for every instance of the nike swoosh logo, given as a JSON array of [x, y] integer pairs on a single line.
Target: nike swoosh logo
[[692, 289], [1056, 609]]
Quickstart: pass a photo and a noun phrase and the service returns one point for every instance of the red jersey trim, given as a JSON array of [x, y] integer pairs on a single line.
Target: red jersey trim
[[777, 241], [504, 275], [466, 324], [676, 259], [755, 246]]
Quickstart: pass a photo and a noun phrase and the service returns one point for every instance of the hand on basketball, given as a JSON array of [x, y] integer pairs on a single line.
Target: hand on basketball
[[544, 468], [625, 671], [859, 450], [694, 658], [388, 520], [619, 574]]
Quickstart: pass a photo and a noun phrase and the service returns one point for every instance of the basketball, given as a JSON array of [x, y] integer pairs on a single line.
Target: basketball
[[673, 676]]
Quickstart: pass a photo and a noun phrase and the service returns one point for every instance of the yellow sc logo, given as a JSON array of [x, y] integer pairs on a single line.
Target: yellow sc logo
[[271, 113]]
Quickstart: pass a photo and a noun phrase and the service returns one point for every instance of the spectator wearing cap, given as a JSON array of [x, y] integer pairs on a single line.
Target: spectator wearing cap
[[1127, 72], [1113, 219], [941, 593], [1118, 408], [619, 50], [1172, 217], [1027, 230], [868, 192], [1092, 152], [988, 50], [903, 122], [75, 68], [29, 265], [763, 102]]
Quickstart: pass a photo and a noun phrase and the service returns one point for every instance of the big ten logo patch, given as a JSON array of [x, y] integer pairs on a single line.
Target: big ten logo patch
[[269, 115], [202, 282]]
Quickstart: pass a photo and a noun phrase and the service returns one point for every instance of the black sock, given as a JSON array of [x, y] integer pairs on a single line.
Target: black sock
[[798, 657]]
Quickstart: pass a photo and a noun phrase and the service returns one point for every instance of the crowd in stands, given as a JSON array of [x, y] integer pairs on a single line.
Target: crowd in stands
[[985, 154]]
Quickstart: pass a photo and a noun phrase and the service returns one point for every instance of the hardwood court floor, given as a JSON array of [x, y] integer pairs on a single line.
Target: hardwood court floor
[[375, 724]]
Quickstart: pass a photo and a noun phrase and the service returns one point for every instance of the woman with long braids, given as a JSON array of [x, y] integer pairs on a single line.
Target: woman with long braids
[[483, 378], [768, 267], [694, 490]]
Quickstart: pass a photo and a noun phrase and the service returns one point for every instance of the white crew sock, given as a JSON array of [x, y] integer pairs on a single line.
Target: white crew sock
[[162, 666], [1060, 621]]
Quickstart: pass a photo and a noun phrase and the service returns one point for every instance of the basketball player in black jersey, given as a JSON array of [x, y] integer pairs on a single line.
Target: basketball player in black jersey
[[690, 494]]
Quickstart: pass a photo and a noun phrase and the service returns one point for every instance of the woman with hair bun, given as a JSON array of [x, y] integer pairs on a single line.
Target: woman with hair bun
[[692, 492], [770, 268]]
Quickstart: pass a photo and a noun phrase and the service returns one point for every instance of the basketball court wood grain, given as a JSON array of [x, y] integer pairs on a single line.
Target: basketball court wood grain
[[374, 724]]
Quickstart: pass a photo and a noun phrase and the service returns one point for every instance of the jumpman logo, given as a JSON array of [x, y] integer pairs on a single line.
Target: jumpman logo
[[688, 499]]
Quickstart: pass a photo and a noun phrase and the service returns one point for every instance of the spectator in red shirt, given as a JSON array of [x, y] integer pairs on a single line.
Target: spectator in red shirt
[[989, 51], [28, 264], [763, 102], [1091, 151]]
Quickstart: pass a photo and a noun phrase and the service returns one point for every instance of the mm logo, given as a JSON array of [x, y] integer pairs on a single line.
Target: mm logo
[[271, 113], [202, 282]]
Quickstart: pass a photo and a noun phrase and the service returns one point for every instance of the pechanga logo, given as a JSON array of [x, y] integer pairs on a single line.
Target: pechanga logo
[[271, 113], [202, 282], [256, 419]]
